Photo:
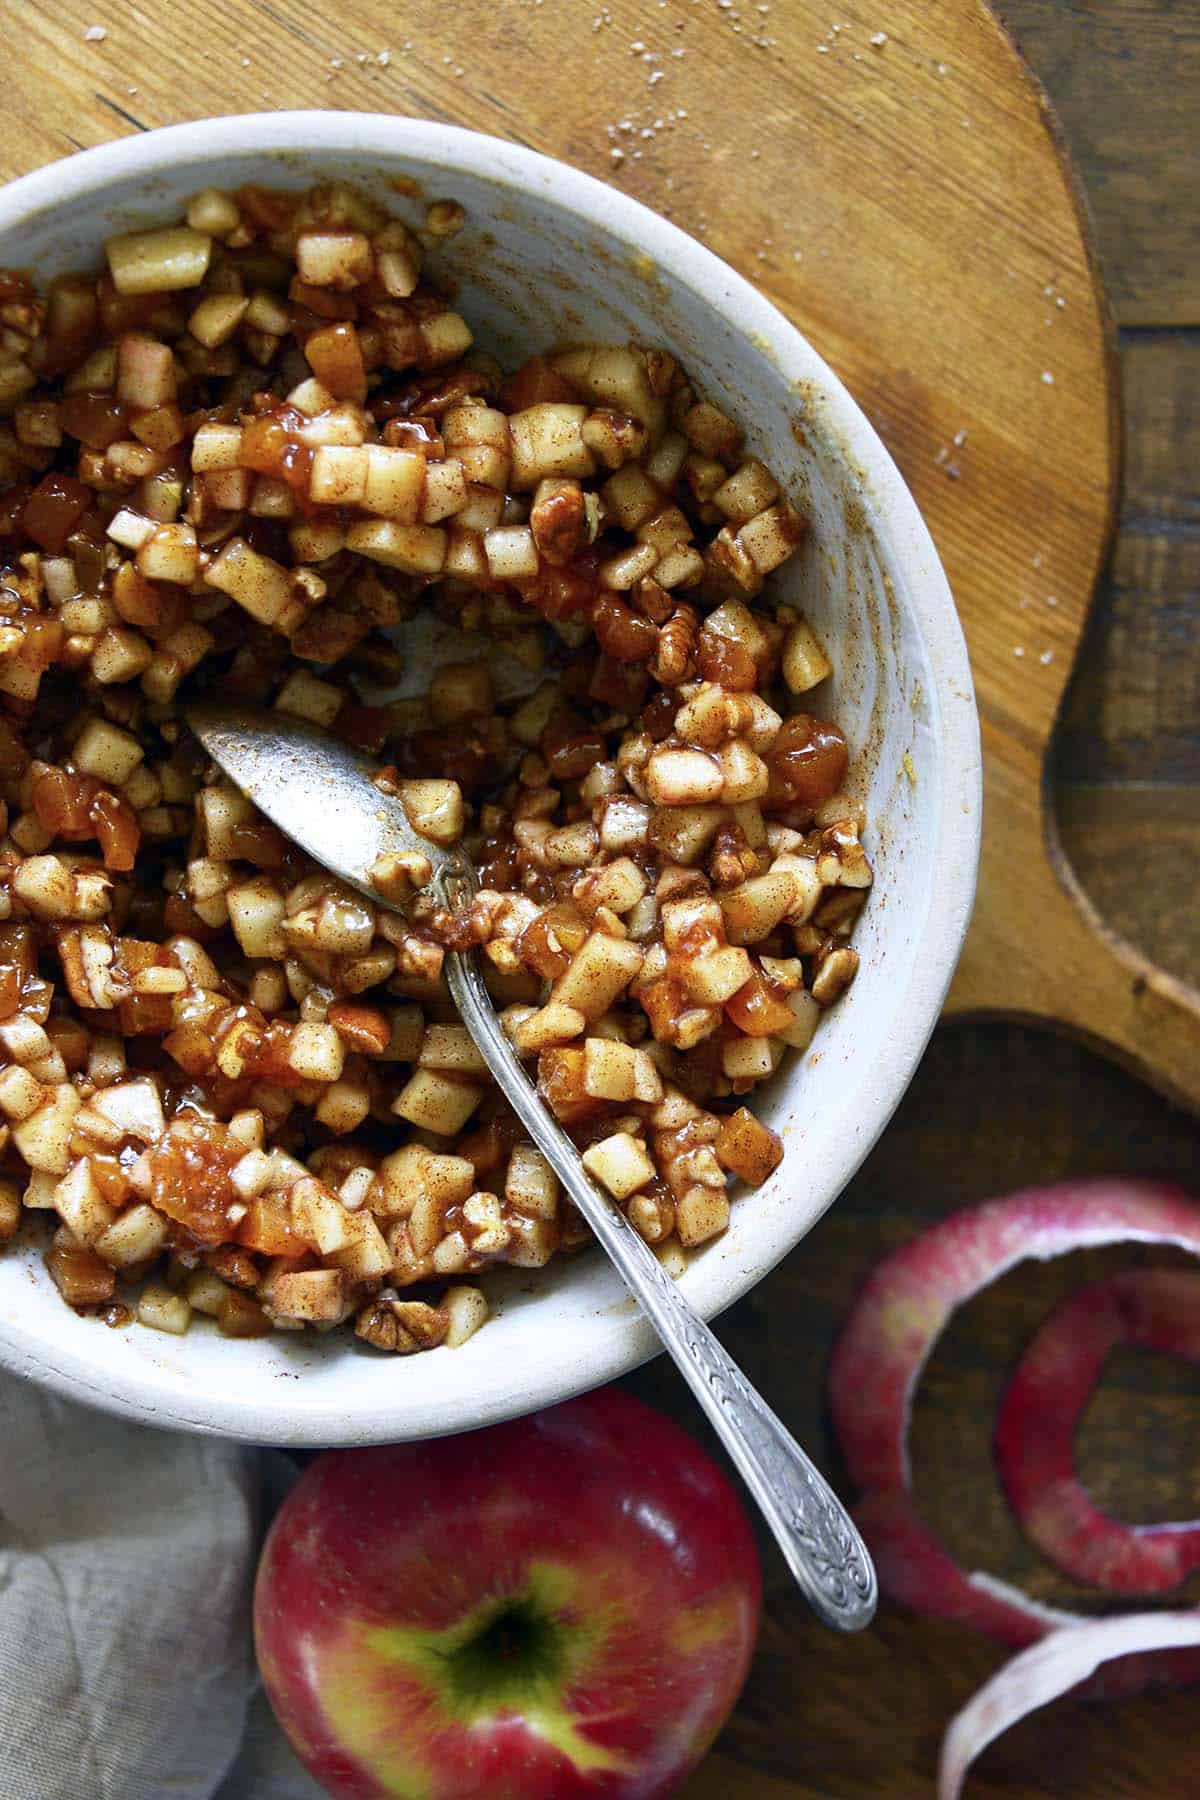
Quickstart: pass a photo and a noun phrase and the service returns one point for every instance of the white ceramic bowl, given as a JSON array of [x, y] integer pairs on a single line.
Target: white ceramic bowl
[[550, 254]]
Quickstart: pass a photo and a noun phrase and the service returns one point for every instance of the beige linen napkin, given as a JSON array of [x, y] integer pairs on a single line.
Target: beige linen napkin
[[126, 1566]]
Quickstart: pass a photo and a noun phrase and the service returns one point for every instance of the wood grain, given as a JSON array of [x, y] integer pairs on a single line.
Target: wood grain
[[1135, 849], [1133, 714], [932, 282], [1124, 75], [906, 203]]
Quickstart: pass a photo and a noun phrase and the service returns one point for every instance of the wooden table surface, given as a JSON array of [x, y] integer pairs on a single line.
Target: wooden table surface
[[993, 1106]]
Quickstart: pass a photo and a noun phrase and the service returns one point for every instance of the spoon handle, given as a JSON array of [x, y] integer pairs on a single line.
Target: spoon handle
[[819, 1541]]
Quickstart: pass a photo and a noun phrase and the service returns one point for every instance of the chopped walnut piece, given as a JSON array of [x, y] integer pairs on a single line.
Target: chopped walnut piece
[[678, 641], [399, 874], [402, 1326], [836, 971], [559, 520]]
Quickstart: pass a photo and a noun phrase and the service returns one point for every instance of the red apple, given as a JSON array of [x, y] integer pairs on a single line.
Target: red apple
[[559, 1608]]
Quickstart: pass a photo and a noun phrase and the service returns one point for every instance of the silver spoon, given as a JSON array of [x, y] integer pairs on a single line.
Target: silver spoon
[[320, 792]]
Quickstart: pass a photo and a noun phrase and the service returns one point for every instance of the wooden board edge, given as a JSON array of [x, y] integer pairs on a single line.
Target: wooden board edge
[[1154, 1026], [1136, 1013], [1081, 206]]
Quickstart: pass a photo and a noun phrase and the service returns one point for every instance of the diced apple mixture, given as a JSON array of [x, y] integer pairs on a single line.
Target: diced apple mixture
[[253, 444]]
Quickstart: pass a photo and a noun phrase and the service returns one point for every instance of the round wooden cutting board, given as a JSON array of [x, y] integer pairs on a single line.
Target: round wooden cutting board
[[890, 174]]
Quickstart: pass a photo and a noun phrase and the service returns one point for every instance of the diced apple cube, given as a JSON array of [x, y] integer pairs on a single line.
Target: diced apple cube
[[406, 1174], [553, 1023], [530, 1183], [334, 354], [682, 777], [393, 483], [445, 490], [627, 567], [334, 259], [621, 1163], [445, 337], [682, 834], [686, 923], [434, 809], [311, 397], [600, 970], [747, 1058], [451, 1254], [145, 372], [702, 1213], [339, 475], [216, 447], [107, 752], [136, 1236], [256, 913], [771, 536], [531, 1242], [153, 262], [340, 424], [631, 497], [20, 1092], [414, 549], [365, 1256], [252, 1174], [460, 691], [204, 1292], [806, 1016], [316, 1052], [258, 583], [618, 885], [467, 1309], [320, 1216], [452, 1048], [479, 437], [304, 696], [316, 1296], [213, 212], [748, 1148], [616, 1071], [753, 910], [744, 774], [44, 1138], [343, 1106], [511, 553], [314, 540], [216, 318], [716, 974], [240, 1316], [749, 490], [80, 1204], [163, 1310], [547, 439], [437, 1102], [134, 1107], [804, 661]]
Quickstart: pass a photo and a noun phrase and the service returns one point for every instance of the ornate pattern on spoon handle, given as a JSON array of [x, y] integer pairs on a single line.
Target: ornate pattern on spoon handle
[[819, 1540]]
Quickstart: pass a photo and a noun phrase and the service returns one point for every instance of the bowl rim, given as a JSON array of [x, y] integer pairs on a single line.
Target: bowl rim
[[135, 1392]]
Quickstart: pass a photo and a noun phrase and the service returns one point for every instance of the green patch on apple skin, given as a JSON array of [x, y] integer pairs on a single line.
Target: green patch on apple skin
[[563, 1735], [517, 1657], [353, 1712], [708, 1622]]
